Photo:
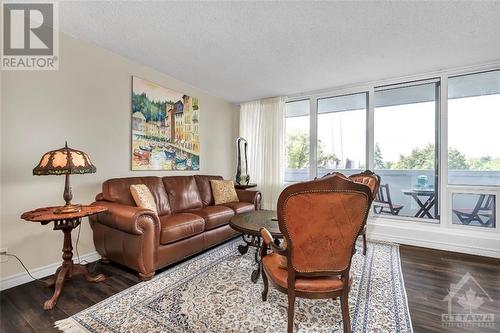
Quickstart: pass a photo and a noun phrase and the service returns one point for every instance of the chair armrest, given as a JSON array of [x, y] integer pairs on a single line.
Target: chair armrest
[[269, 241], [253, 197], [130, 219]]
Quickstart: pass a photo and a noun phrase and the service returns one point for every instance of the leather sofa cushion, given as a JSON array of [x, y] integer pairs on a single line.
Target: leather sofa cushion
[[179, 226], [239, 207], [118, 190], [214, 216], [271, 264], [182, 193], [205, 188]]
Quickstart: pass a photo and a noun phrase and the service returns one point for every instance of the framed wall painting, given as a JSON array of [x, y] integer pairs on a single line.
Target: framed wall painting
[[165, 128]]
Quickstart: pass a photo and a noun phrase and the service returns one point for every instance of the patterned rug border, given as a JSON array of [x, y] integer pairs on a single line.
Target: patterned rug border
[[70, 325]]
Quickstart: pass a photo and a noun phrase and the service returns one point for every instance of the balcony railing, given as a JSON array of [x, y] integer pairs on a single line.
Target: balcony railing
[[403, 184]]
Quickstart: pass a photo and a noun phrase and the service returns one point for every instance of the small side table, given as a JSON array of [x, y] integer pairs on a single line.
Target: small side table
[[243, 186], [66, 223]]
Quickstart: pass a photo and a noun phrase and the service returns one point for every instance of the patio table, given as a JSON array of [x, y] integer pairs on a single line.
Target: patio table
[[425, 207]]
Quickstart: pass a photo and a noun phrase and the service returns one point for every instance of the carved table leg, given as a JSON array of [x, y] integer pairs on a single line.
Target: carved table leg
[[256, 272], [252, 241], [59, 282], [243, 249], [68, 268], [52, 281], [82, 270]]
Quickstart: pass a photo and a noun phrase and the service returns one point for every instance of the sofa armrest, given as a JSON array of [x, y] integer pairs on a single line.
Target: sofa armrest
[[253, 197], [130, 219]]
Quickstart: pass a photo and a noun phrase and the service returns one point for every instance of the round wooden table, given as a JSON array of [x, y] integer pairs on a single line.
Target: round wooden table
[[66, 223], [249, 225]]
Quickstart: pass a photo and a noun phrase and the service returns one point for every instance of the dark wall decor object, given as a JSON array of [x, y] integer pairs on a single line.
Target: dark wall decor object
[[242, 176]]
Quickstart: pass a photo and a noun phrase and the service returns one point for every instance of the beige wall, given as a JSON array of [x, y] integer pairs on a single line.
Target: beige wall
[[87, 102]]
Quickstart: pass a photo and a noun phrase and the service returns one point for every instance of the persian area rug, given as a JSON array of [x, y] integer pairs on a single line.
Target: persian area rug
[[213, 293]]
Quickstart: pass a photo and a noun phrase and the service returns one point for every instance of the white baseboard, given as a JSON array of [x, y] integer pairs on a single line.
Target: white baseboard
[[40, 272], [435, 237]]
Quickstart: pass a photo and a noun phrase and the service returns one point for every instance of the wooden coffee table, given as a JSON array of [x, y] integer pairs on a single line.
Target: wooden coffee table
[[249, 225]]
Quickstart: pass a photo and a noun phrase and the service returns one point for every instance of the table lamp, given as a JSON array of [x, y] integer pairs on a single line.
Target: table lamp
[[65, 161]]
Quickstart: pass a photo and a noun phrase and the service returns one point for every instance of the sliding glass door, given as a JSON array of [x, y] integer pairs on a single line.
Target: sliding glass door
[[405, 150]]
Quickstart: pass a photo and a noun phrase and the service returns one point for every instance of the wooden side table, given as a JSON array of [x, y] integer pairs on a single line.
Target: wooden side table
[[243, 186], [66, 223]]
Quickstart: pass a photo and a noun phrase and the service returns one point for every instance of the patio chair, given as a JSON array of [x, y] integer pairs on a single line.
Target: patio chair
[[484, 207], [383, 202]]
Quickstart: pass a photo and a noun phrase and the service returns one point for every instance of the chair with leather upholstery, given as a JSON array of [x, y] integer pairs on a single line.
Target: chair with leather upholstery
[[320, 221], [372, 180]]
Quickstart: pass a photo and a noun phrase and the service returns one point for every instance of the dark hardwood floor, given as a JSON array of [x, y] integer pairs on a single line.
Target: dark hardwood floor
[[427, 275]]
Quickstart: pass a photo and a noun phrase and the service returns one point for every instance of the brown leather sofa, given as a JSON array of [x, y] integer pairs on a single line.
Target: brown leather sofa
[[188, 221]]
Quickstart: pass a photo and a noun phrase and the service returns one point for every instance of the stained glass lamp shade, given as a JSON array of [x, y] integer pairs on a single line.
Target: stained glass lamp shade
[[65, 161]]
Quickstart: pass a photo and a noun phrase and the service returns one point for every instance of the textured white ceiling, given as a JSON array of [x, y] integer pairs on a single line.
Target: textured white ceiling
[[247, 50]]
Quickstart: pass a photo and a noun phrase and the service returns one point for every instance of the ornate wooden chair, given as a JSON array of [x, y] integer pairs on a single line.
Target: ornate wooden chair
[[320, 221], [371, 180]]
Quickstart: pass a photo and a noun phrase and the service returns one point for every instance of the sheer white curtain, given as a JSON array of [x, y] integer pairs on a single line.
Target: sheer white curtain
[[262, 125]]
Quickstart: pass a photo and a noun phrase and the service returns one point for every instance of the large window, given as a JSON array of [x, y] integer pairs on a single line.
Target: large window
[[474, 129], [405, 151], [297, 141], [341, 144], [473, 147], [434, 141]]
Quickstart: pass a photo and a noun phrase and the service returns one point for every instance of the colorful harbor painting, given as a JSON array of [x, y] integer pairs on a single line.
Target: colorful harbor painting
[[165, 128]]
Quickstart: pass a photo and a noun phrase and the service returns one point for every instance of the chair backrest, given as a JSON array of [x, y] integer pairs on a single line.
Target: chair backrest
[[383, 195], [484, 202], [320, 220], [369, 179]]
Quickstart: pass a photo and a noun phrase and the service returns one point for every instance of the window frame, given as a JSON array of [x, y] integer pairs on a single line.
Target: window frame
[[284, 134], [316, 127], [437, 142], [444, 190]]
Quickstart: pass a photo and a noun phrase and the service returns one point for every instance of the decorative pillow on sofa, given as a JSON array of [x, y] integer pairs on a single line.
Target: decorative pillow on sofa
[[143, 197], [223, 191]]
